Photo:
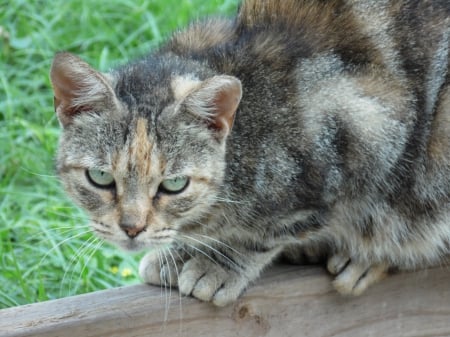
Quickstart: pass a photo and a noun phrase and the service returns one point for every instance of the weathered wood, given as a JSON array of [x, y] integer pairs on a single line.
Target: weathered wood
[[287, 301]]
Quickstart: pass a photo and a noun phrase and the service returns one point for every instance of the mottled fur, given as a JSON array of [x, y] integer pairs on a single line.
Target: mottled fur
[[319, 125]]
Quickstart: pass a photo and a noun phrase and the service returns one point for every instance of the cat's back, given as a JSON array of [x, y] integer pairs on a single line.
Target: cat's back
[[360, 31]]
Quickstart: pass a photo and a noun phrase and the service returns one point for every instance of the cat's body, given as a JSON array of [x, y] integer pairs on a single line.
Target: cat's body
[[318, 124]]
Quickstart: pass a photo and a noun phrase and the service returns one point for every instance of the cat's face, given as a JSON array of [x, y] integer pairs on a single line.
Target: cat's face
[[146, 173]]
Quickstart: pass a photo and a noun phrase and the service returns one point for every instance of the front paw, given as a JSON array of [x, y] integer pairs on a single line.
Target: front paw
[[208, 281], [354, 278], [161, 267], [197, 276]]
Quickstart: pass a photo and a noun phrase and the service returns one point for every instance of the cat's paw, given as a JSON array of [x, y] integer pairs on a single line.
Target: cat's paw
[[161, 268], [198, 276], [354, 278], [206, 280]]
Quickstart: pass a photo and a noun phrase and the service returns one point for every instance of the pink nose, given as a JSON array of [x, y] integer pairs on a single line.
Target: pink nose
[[132, 231]]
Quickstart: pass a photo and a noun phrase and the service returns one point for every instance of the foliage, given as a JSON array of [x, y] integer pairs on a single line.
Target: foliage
[[46, 247]]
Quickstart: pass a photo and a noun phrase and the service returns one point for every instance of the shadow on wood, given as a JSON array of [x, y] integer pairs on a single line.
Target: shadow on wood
[[287, 301]]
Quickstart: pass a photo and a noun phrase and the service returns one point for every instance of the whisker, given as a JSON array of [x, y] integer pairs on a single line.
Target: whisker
[[184, 250], [75, 228], [179, 293], [67, 230], [84, 251], [158, 251], [214, 250], [54, 247], [201, 252], [81, 252], [72, 217], [63, 231], [229, 201], [163, 285], [38, 174], [167, 309], [178, 254], [98, 244], [220, 242], [73, 262]]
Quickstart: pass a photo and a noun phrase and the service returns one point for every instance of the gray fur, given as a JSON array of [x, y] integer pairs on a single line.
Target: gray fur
[[305, 124]]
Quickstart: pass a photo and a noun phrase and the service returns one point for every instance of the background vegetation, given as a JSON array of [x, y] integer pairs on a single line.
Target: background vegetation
[[46, 248]]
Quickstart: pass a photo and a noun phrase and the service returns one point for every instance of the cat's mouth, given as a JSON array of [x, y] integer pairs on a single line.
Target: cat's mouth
[[145, 239], [137, 244]]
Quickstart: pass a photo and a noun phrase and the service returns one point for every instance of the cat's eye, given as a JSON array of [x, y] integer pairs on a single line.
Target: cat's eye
[[100, 178], [174, 185]]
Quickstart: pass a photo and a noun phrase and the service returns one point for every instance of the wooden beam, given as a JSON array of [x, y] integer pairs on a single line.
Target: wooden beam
[[287, 301]]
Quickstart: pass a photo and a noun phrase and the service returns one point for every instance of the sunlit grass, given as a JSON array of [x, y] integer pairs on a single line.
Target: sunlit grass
[[46, 248]]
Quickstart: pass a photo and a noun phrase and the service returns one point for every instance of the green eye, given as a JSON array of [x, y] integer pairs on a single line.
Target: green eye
[[100, 178], [174, 185]]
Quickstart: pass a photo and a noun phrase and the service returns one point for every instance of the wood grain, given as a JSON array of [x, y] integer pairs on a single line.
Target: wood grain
[[287, 301]]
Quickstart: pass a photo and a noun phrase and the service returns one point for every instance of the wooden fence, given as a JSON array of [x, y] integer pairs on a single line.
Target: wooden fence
[[287, 301]]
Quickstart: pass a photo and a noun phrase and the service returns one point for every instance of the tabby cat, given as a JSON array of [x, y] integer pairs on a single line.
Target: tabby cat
[[297, 126]]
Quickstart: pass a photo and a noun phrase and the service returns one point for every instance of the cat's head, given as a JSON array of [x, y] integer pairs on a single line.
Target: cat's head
[[142, 149]]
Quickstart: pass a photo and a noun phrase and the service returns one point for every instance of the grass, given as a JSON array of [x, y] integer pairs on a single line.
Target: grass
[[46, 248]]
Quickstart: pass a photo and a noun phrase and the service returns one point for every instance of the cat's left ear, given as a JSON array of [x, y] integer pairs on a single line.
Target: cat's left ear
[[216, 100], [78, 88]]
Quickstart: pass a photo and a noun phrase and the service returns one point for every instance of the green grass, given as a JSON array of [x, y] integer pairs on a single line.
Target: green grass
[[46, 248]]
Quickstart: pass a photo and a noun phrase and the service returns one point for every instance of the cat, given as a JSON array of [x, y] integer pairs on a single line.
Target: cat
[[296, 126]]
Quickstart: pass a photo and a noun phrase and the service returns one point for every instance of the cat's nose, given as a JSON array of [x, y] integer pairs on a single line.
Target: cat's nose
[[132, 230]]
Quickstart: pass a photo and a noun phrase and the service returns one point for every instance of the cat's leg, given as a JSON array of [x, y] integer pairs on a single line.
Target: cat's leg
[[209, 275], [311, 253], [352, 278]]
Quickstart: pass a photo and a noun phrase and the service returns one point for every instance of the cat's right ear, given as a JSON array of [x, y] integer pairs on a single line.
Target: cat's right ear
[[77, 88], [215, 101]]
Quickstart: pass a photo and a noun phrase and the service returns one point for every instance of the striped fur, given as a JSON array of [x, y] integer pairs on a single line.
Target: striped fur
[[305, 127]]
